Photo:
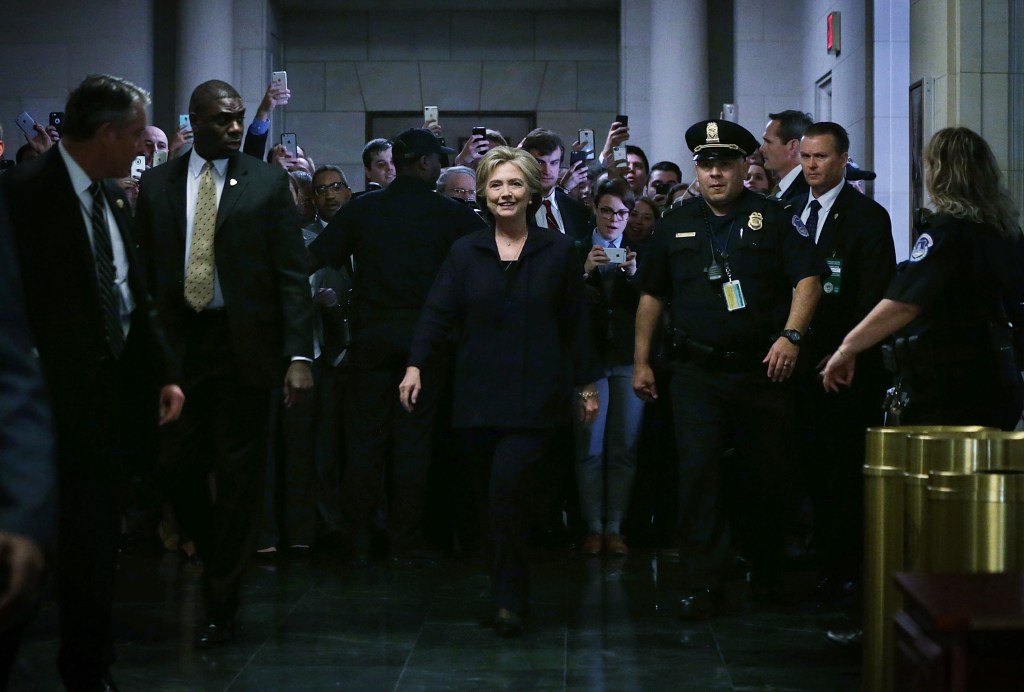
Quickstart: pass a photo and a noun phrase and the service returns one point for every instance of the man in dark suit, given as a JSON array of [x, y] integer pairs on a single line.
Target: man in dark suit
[[397, 239], [854, 236], [100, 347], [781, 151], [27, 474], [225, 254], [558, 211]]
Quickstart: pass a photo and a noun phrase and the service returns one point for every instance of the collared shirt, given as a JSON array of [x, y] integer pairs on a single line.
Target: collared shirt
[[598, 239], [80, 182], [542, 213], [826, 201], [788, 179], [195, 170]]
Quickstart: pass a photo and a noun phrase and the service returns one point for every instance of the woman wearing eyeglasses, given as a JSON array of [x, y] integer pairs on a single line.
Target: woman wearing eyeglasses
[[606, 450], [513, 296]]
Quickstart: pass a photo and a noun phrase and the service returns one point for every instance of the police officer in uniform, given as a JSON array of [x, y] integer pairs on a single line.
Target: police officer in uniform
[[951, 304], [741, 279], [397, 239]]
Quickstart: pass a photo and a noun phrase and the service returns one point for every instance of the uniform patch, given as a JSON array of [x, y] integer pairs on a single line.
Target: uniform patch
[[755, 222], [691, 234], [800, 227], [921, 247]]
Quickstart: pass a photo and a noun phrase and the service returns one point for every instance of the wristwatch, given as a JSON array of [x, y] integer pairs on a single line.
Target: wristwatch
[[791, 334]]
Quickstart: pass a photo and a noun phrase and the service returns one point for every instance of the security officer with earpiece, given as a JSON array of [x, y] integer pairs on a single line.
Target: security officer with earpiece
[[741, 279]]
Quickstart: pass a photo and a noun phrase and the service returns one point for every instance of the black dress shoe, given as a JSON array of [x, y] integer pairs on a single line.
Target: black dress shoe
[[215, 633], [508, 625], [845, 638], [699, 604]]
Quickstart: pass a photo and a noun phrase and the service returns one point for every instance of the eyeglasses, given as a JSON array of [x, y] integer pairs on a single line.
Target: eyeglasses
[[334, 187], [463, 191], [609, 213]]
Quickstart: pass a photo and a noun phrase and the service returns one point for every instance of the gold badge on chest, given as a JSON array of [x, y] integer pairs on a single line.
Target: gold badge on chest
[[755, 222]]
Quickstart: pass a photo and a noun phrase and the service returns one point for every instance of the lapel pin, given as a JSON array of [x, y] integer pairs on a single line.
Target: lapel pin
[[119, 203], [836, 216], [232, 182]]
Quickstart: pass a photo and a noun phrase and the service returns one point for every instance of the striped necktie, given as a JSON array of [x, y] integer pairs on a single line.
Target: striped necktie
[[550, 214], [106, 274]]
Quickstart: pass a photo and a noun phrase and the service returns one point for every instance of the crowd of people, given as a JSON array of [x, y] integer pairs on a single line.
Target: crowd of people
[[486, 348]]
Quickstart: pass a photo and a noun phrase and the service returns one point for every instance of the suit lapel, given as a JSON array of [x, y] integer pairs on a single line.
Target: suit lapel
[[234, 185], [176, 190], [67, 217]]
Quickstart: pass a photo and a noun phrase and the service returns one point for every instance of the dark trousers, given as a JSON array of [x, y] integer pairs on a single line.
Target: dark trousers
[[376, 428], [89, 454], [506, 464], [712, 409], [832, 426], [214, 461]]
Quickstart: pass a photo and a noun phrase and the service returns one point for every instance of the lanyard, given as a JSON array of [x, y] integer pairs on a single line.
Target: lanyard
[[714, 271]]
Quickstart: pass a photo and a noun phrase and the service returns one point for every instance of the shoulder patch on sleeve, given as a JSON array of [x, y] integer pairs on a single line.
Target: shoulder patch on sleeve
[[921, 247], [800, 227]]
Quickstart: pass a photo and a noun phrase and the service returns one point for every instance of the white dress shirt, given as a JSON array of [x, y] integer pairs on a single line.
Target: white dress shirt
[[788, 179], [80, 182]]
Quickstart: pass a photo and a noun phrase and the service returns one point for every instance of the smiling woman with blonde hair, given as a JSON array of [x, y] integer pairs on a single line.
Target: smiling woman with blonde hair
[[513, 295]]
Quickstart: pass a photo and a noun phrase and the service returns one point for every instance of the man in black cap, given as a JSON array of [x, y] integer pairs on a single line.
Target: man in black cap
[[742, 279], [398, 239]]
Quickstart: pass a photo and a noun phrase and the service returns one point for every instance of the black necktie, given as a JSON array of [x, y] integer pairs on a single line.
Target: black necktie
[[110, 300], [812, 219]]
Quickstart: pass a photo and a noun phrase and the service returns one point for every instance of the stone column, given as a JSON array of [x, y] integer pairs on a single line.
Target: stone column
[[678, 77], [206, 46]]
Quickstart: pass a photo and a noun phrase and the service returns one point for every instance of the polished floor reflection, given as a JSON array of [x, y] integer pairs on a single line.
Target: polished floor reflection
[[317, 624]]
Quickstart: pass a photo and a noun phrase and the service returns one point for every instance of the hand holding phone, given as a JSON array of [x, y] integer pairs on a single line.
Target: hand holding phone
[[290, 143], [280, 78], [138, 166], [616, 255], [429, 113], [57, 120]]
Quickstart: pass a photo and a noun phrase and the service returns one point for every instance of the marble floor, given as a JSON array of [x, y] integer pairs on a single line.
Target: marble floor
[[314, 623]]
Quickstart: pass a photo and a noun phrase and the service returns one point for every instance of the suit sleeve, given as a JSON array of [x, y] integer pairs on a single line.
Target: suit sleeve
[[255, 145], [576, 321], [27, 472], [288, 253], [877, 261]]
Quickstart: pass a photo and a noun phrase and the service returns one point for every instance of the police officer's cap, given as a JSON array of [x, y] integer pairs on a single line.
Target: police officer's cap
[[719, 139], [416, 142]]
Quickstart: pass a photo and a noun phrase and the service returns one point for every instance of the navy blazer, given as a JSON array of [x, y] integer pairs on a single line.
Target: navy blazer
[[521, 332]]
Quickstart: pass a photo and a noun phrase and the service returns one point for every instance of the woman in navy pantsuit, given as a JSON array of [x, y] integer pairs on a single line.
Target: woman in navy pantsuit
[[514, 296]]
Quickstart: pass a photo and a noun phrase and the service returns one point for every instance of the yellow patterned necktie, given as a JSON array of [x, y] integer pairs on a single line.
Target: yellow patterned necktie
[[199, 277]]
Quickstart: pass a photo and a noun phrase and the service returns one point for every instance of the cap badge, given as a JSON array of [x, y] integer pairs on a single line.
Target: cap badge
[[756, 221], [712, 133]]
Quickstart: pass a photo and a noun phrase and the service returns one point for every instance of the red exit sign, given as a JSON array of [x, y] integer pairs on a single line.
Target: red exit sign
[[834, 36]]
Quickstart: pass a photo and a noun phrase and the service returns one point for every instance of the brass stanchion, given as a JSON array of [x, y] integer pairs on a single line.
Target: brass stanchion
[[975, 521], [946, 452], [885, 466]]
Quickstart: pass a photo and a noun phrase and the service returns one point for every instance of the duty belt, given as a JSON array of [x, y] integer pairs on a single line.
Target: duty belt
[[715, 358]]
